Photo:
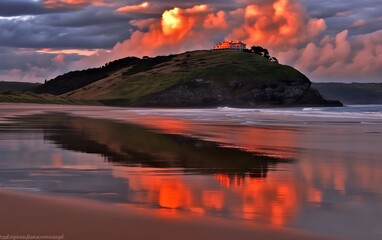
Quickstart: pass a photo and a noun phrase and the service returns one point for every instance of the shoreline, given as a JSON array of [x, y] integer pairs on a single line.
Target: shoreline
[[36, 215]]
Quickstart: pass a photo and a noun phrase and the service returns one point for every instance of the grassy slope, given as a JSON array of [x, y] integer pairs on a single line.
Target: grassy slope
[[29, 97], [17, 86], [135, 82], [354, 93], [77, 79]]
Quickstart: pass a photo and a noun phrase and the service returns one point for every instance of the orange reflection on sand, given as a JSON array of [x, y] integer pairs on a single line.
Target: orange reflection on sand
[[274, 202], [174, 195], [213, 199], [271, 201], [320, 173], [170, 192], [57, 160], [167, 125], [228, 181], [314, 195]]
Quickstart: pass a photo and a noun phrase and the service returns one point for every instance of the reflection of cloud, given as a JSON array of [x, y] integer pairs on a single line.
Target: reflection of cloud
[[268, 201], [57, 160], [173, 194], [168, 192], [213, 199], [340, 175]]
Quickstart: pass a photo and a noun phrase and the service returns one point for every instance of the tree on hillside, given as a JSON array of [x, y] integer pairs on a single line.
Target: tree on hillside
[[262, 52]]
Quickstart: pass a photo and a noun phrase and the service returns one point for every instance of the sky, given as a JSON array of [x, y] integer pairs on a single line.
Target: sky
[[327, 40]]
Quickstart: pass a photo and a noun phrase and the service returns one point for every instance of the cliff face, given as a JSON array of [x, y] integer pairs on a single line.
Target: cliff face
[[194, 79], [208, 93]]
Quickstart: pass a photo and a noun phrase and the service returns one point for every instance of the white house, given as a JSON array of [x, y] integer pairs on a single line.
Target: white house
[[230, 45]]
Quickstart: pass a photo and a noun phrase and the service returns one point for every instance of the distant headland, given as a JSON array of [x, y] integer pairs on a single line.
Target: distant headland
[[227, 75]]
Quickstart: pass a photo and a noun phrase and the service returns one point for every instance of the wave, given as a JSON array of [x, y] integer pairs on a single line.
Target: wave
[[253, 116]]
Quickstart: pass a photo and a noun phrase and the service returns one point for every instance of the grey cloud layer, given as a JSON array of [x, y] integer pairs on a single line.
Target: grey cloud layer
[[340, 15], [10, 8], [87, 29]]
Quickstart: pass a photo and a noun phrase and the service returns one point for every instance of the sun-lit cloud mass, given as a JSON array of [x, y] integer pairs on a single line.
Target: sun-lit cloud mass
[[326, 40]]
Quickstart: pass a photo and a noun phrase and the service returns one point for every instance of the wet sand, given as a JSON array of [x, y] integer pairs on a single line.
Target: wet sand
[[309, 143], [23, 214]]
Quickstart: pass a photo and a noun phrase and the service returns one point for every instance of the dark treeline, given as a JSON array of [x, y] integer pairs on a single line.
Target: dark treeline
[[18, 86], [262, 52]]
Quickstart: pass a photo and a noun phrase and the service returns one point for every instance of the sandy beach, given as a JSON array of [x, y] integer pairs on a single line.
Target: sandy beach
[[115, 173], [190, 120], [27, 214]]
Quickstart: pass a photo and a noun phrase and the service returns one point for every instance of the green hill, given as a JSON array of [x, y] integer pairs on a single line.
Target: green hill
[[352, 93], [191, 79], [18, 86], [30, 97]]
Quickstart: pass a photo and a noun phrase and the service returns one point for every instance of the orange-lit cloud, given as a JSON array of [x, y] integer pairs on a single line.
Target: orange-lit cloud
[[276, 24], [347, 58], [175, 31], [83, 52], [176, 23], [71, 3], [134, 8], [359, 22], [282, 26], [59, 59], [217, 20]]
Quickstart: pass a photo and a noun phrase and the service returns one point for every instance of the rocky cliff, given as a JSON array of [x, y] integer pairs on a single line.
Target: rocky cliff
[[202, 92]]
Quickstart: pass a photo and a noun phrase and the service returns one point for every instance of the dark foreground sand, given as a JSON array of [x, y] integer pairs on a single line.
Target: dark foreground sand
[[23, 214]]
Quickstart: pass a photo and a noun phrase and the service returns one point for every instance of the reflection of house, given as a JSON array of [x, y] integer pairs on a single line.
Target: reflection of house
[[230, 45]]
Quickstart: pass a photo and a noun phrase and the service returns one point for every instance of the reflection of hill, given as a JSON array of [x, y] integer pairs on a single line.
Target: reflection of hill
[[134, 145]]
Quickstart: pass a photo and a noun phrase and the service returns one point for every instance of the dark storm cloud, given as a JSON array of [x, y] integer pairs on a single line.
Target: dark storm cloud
[[31, 66], [340, 15], [328, 8], [25, 59], [88, 17], [88, 29], [10, 8]]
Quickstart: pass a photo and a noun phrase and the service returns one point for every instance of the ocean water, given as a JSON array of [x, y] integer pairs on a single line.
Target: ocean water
[[353, 113], [313, 169]]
